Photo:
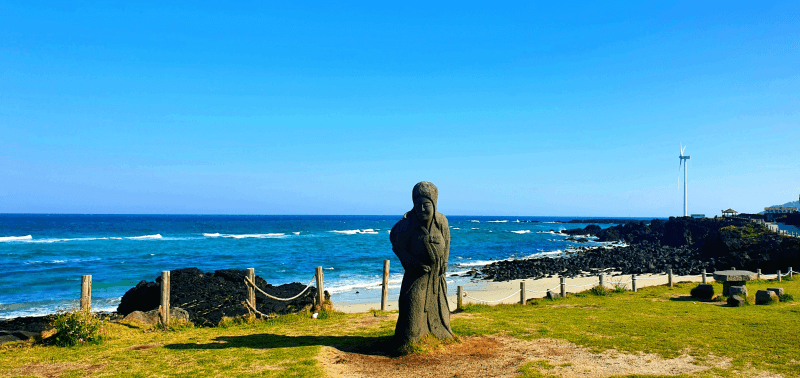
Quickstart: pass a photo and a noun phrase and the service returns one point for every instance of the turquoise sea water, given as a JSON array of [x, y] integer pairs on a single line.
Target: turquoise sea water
[[42, 257]]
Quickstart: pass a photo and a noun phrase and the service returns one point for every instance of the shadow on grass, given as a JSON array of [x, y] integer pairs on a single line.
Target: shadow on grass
[[374, 346]]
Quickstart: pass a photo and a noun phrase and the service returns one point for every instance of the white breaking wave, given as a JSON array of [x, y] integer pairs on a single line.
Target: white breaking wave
[[498, 221], [64, 240], [456, 228], [551, 233], [475, 228], [15, 238], [487, 262], [522, 232], [144, 237], [368, 231], [245, 236], [394, 283], [296, 233], [475, 221], [29, 239]]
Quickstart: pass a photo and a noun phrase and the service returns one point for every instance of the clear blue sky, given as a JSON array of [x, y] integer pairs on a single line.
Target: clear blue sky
[[509, 108]]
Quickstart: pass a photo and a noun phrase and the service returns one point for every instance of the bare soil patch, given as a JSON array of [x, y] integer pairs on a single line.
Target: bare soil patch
[[54, 370], [502, 357], [144, 346]]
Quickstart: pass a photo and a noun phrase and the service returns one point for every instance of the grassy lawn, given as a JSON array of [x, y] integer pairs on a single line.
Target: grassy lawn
[[657, 320]]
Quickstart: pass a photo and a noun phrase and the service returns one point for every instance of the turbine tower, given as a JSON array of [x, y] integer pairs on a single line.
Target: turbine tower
[[685, 165]]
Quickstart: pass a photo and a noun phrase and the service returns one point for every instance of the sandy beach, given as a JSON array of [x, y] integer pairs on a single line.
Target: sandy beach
[[490, 292]]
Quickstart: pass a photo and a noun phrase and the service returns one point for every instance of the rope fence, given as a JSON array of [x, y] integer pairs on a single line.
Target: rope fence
[[249, 281], [634, 278]]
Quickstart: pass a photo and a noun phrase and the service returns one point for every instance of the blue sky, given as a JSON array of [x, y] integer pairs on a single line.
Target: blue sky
[[509, 108]]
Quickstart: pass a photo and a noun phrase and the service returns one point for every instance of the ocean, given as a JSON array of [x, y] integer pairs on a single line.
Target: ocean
[[42, 256]]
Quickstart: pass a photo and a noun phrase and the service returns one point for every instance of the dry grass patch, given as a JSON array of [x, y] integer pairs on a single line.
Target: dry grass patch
[[54, 370]]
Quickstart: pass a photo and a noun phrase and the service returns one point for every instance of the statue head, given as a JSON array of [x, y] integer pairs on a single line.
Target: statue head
[[425, 195]]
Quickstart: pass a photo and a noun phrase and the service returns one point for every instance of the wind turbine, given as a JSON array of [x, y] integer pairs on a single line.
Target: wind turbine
[[685, 165]]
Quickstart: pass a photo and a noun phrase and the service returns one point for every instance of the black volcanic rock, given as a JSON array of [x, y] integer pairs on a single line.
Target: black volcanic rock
[[685, 245], [210, 296]]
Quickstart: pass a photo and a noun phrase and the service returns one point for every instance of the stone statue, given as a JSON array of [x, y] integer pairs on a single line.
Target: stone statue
[[421, 240]]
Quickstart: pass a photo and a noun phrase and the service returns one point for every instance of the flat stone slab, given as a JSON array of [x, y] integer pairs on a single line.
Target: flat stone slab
[[776, 290], [734, 275]]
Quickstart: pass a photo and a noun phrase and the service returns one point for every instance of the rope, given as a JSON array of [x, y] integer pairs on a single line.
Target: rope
[[543, 291], [248, 282], [650, 278], [499, 300], [250, 307], [592, 283]]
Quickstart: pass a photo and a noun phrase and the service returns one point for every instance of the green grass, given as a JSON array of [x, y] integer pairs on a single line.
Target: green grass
[[658, 320]]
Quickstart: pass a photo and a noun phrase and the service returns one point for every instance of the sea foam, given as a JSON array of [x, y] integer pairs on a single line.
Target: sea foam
[[144, 237], [245, 236], [15, 238]]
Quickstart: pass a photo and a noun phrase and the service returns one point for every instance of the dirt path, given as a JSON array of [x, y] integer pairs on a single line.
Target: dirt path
[[502, 357]]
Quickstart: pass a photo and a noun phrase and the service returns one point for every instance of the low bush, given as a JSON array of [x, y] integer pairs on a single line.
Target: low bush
[[75, 327], [598, 290]]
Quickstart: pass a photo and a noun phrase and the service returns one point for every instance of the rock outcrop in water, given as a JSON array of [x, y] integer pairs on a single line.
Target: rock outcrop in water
[[685, 245], [210, 296]]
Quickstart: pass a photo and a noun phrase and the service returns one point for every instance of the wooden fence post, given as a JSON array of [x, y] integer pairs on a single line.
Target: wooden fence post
[[385, 291], [602, 285], [563, 287], [251, 292], [779, 276], [633, 282], [86, 292], [459, 301], [669, 278], [790, 272], [522, 292], [165, 297], [704, 275], [759, 273], [320, 286]]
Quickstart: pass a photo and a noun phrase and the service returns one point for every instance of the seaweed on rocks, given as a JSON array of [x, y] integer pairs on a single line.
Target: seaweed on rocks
[[208, 297]]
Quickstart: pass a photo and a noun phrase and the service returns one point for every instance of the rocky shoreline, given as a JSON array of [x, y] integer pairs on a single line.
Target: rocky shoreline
[[685, 245]]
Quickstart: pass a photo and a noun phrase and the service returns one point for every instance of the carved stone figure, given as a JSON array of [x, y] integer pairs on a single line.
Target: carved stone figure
[[421, 240]]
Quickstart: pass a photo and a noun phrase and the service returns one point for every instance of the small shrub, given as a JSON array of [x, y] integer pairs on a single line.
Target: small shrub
[[75, 327], [786, 297], [619, 288], [599, 291]]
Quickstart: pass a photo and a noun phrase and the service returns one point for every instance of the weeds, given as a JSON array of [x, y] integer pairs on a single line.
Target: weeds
[[75, 327], [599, 291]]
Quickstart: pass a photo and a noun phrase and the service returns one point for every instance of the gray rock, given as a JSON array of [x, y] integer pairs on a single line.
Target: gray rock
[[777, 290], [734, 275], [153, 317], [552, 295], [766, 296], [9, 336], [421, 240], [703, 291], [736, 301], [738, 290]]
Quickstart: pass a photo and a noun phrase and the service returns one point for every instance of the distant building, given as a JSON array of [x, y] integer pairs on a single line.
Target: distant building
[[773, 212], [729, 213], [779, 210]]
